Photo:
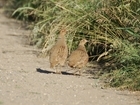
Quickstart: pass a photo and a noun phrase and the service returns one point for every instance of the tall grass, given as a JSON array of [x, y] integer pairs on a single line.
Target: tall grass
[[111, 26]]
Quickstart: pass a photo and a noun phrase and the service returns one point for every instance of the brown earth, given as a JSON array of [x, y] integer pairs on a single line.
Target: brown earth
[[22, 83]]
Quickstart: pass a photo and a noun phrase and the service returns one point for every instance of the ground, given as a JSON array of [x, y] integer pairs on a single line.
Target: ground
[[25, 78]]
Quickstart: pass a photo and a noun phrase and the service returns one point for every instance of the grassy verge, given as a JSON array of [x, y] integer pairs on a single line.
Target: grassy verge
[[1, 102], [112, 28]]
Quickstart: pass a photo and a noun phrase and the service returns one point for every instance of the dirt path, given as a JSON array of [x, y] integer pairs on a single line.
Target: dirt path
[[21, 84]]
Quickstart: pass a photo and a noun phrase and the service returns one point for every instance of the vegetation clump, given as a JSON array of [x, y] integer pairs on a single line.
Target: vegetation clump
[[112, 28]]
